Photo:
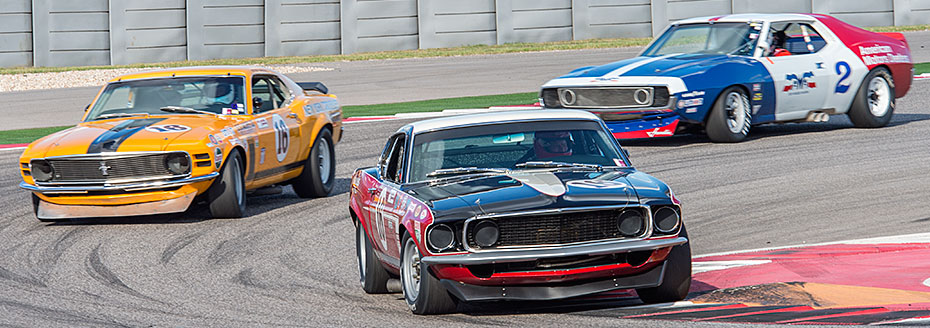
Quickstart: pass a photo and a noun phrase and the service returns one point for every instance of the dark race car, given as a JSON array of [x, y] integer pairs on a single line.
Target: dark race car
[[528, 205]]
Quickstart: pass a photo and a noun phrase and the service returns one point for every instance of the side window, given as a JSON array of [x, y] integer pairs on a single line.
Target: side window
[[393, 167], [279, 91], [261, 92], [788, 39]]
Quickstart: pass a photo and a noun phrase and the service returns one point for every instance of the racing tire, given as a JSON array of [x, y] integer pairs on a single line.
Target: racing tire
[[372, 275], [730, 117], [422, 291], [677, 278], [874, 103], [319, 171], [227, 194]]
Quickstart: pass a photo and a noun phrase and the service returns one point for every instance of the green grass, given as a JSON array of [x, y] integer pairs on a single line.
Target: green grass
[[920, 68], [30, 135], [906, 28]]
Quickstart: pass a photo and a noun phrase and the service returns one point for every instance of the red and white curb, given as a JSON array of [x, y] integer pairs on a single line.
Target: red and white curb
[[924, 76], [446, 112]]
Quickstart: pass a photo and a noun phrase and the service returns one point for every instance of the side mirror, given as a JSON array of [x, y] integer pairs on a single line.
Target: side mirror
[[626, 153], [257, 103], [86, 108]]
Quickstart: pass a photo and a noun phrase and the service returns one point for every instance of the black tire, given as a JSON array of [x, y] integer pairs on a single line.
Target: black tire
[[227, 194], [677, 279], [862, 113], [313, 182], [731, 116], [430, 297], [372, 275]]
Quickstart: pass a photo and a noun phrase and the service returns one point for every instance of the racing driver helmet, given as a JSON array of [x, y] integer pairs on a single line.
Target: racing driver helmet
[[548, 144], [222, 94]]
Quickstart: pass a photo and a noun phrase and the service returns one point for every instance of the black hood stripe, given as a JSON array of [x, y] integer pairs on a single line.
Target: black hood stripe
[[110, 140]]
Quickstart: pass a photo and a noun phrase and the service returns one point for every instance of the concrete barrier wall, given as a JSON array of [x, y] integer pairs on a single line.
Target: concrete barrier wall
[[103, 32]]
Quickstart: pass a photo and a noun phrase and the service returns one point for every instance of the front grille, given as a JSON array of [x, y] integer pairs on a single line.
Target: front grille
[[90, 169], [606, 97], [555, 229]]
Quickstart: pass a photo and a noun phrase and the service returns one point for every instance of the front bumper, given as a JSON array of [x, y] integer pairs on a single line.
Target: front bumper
[[119, 187], [47, 210], [603, 248]]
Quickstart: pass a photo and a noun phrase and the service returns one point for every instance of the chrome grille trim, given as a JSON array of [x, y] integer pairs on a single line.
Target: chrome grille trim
[[646, 233], [606, 97], [120, 168]]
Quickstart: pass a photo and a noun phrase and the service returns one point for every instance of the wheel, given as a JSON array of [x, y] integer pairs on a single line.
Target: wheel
[[371, 274], [422, 290], [227, 194], [730, 117], [677, 279], [319, 172], [874, 102]]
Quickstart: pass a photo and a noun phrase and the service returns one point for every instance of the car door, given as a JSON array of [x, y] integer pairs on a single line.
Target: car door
[[798, 69], [390, 198], [278, 127]]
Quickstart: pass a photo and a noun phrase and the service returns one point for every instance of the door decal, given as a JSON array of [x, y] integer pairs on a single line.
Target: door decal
[[282, 136]]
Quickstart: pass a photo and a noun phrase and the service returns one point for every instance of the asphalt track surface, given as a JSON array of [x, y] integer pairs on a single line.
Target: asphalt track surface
[[291, 262], [381, 81]]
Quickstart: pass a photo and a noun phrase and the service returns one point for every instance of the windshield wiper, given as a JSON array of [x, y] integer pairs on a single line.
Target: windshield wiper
[[179, 109], [112, 115], [463, 170], [551, 164]]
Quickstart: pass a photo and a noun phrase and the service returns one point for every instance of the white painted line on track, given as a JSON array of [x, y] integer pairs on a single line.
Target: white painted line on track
[[927, 282], [917, 238], [659, 305], [707, 266], [14, 148]]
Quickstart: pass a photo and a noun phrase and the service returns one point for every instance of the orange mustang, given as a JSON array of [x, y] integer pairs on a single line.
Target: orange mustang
[[153, 142]]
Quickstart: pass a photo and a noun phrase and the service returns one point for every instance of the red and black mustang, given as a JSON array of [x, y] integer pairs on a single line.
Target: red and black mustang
[[531, 205]]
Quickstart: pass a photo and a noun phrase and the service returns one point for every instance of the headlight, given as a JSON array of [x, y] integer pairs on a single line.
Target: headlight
[[440, 237], [666, 220], [41, 170], [178, 163], [630, 223], [486, 233]]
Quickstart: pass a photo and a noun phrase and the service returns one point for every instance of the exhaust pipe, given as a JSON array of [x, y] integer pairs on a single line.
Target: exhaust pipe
[[817, 117], [393, 286]]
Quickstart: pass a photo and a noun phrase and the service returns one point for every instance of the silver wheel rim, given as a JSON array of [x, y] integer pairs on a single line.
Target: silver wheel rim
[[736, 112], [324, 160], [410, 270], [879, 96], [240, 193], [362, 257]]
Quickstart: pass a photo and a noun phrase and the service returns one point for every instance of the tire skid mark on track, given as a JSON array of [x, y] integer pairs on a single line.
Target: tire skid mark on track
[[99, 271], [177, 245], [59, 316]]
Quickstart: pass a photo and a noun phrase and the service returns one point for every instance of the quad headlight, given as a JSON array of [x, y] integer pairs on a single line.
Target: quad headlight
[[666, 219], [440, 237], [631, 223], [486, 233], [41, 170], [178, 163]]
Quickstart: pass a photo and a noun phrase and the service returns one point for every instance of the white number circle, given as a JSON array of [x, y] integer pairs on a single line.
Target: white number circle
[[282, 136]]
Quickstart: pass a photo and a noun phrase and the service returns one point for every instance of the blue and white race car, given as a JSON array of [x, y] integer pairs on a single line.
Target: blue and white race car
[[724, 74]]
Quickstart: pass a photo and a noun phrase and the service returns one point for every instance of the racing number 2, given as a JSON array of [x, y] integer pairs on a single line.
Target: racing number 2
[[842, 68]]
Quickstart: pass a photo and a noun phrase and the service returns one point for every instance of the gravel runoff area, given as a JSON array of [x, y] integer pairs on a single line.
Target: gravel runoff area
[[97, 77]]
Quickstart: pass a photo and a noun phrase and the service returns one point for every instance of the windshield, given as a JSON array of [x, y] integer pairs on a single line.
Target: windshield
[[718, 38], [220, 95], [512, 146]]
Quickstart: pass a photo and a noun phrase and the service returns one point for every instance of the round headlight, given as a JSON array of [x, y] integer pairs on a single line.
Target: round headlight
[[630, 223], [440, 237], [666, 219], [178, 163], [41, 170], [486, 233]]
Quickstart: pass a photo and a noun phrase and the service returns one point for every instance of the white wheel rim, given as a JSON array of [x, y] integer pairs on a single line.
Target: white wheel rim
[[362, 257], [879, 96], [410, 270], [324, 160], [736, 112]]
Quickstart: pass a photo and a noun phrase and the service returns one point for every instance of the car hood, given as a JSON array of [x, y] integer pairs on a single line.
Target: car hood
[[677, 65], [532, 190], [125, 135]]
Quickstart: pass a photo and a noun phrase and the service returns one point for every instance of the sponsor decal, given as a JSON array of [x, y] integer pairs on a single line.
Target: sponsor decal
[[878, 54], [261, 160], [262, 123], [876, 49], [659, 132], [757, 96], [167, 128], [755, 109], [227, 132], [756, 87], [691, 110], [619, 162], [692, 94], [606, 79], [690, 102], [282, 137], [801, 83], [217, 157], [245, 128], [819, 65], [214, 140]]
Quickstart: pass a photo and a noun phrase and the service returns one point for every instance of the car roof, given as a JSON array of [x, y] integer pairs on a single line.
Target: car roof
[[748, 18], [498, 117], [195, 70]]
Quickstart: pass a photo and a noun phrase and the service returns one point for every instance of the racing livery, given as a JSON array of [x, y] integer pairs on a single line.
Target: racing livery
[[724, 74], [153, 142], [520, 205]]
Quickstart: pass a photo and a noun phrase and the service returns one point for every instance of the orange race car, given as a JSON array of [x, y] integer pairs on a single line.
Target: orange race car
[[153, 142]]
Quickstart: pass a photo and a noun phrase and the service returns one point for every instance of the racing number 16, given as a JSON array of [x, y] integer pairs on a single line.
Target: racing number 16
[[842, 68]]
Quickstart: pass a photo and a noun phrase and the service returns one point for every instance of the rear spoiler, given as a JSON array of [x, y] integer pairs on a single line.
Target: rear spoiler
[[896, 36], [315, 86]]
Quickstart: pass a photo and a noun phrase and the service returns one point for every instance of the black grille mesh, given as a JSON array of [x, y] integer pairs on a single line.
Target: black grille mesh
[[89, 170], [555, 229]]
